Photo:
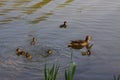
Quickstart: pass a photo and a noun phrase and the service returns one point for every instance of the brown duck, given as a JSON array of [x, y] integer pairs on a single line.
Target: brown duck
[[79, 44], [49, 52], [28, 56], [24, 53], [19, 52]]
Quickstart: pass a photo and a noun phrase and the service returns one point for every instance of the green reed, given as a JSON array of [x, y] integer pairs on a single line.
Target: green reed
[[51, 73], [69, 74], [116, 77]]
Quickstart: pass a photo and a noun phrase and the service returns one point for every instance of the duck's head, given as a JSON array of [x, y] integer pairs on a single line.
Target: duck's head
[[18, 50], [88, 38], [65, 22], [49, 51], [33, 39], [28, 56]]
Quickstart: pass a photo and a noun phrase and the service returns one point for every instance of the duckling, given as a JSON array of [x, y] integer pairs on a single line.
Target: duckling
[[24, 53], [49, 51], [28, 56], [79, 44], [33, 41], [88, 52], [84, 53], [63, 25], [19, 52]]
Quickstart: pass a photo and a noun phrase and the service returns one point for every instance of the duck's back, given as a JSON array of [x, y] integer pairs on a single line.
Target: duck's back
[[77, 41]]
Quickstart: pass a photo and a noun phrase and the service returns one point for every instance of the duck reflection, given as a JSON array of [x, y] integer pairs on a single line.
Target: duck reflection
[[33, 42]]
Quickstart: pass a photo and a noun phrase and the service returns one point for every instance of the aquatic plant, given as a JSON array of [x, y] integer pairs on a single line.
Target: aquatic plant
[[69, 74], [116, 77], [51, 74], [71, 56]]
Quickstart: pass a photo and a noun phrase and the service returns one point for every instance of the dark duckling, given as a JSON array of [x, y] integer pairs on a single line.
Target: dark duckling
[[19, 52], [63, 25], [79, 44]]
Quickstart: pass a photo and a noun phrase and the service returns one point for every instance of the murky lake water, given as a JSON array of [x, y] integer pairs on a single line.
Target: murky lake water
[[20, 20]]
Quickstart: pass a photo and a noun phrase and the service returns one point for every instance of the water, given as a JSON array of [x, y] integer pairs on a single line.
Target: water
[[20, 20]]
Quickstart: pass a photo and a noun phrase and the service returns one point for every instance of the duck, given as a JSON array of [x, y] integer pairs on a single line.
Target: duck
[[24, 53], [19, 52], [28, 56], [88, 52], [49, 51], [79, 44], [33, 41], [63, 25]]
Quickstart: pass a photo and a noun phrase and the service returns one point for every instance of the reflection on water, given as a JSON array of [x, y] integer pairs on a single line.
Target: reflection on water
[[99, 18], [46, 15], [21, 2], [9, 19], [22, 8], [65, 3], [5, 11], [37, 6], [82, 8], [2, 14], [1, 4], [41, 18]]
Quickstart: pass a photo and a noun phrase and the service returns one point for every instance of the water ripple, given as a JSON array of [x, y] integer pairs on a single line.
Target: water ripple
[[37, 6]]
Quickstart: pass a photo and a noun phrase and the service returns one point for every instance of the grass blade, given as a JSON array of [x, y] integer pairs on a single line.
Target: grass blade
[[69, 74], [66, 76], [45, 72], [51, 73], [56, 71], [118, 78], [73, 70]]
